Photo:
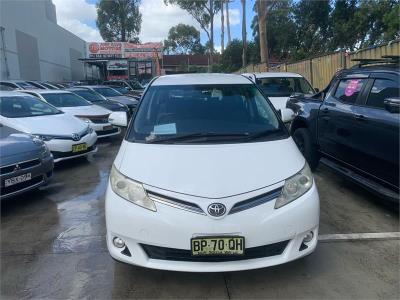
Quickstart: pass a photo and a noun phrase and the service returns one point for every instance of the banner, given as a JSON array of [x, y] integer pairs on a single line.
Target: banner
[[123, 50], [117, 65], [104, 50]]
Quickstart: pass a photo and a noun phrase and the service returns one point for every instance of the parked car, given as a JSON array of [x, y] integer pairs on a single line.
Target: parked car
[[113, 95], [208, 179], [25, 162], [134, 86], [98, 99], [97, 117], [279, 86], [66, 136], [16, 84], [37, 84], [120, 112], [353, 127], [124, 91]]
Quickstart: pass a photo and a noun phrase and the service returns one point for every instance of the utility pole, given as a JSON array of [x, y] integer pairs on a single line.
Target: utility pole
[[244, 35], [228, 26], [222, 27], [262, 29]]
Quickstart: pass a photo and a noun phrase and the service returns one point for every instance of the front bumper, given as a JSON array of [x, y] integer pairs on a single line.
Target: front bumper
[[170, 229], [62, 148], [41, 174], [108, 132]]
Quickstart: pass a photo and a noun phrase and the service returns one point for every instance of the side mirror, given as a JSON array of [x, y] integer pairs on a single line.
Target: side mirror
[[316, 90], [118, 118], [392, 105], [287, 115]]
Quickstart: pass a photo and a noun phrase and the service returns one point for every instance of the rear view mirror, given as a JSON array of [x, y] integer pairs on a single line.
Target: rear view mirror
[[287, 115], [118, 118], [392, 105]]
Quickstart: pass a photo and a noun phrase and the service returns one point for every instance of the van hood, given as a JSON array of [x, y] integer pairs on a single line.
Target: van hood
[[278, 102], [61, 124], [90, 110], [210, 171]]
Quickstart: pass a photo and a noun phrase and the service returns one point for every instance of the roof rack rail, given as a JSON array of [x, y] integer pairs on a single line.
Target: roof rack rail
[[386, 59]]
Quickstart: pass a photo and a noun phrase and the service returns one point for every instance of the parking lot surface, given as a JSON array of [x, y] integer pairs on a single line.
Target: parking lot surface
[[53, 246]]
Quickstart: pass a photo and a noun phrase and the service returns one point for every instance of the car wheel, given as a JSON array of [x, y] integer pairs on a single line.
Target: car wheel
[[302, 139]]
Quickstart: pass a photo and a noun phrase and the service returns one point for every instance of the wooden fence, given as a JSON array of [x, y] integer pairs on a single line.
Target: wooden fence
[[319, 70]]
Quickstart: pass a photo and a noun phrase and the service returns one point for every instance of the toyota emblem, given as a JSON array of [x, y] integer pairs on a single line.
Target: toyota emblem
[[216, 209], [76, 137]]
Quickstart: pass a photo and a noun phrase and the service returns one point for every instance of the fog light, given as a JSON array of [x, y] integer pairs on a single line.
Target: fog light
[[118, 242], [308, 238]]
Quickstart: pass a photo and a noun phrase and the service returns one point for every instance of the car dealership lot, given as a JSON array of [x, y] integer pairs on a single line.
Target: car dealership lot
[[53, 246]]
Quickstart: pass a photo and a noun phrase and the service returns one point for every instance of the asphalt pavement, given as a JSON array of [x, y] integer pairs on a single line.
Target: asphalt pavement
[[53, 247]]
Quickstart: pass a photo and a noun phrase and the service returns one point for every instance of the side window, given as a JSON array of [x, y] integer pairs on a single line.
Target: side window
[[349, 89], [382, 89]]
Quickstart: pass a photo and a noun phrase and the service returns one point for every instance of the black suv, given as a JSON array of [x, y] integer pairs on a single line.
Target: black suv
[[352, 126]]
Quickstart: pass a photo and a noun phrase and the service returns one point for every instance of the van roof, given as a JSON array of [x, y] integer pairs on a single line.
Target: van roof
[[200, 78]]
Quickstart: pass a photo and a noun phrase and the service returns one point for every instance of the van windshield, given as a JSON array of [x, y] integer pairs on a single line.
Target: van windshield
[[205, 114], [284, 86]]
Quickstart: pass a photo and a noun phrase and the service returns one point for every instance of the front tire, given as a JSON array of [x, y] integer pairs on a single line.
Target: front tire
[[303, 141]]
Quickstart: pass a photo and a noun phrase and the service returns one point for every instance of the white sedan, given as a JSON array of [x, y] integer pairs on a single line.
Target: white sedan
[[66, 136], [97, 117]]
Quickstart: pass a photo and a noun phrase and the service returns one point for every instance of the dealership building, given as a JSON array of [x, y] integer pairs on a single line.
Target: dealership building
[[35, 47]]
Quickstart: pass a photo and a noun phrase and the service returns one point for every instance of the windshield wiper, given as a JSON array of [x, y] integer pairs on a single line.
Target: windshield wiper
[[202, 136]]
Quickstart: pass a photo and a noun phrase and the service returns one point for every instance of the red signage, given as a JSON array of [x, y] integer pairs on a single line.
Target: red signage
[[123, 50]]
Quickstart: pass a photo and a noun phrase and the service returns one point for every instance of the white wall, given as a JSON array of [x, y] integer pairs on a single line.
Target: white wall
[[54, 42]]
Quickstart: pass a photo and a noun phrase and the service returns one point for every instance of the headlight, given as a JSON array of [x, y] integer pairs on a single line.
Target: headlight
[[44, 138], [295, 187], [130, 190], [45, 151]]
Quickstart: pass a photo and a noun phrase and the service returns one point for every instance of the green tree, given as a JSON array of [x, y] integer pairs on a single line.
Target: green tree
[[342, 24], [203, 11], [377, 21], [183, 39], [279, 26], [119, 20], [231, 59], [312, 27]]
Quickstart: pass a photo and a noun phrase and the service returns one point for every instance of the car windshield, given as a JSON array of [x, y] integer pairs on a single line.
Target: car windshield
[[88, 95], [25, 106], [136, 85], [284, 86], [49, 86], [107, 92], [65, 99], [205, 113], [121, 89], [26, 85]]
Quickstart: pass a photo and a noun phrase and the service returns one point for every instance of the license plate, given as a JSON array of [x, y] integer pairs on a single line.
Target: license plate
[[108, 127], [79, 147], [228, 245], [17, 179]]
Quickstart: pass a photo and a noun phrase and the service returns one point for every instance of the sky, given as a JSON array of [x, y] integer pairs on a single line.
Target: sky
[[79, 17]]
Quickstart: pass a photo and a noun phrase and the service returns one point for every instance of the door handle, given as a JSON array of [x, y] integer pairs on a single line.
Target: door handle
[[359, 117]]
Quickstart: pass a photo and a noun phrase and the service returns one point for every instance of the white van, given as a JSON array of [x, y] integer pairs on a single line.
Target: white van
[[209, 180]]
